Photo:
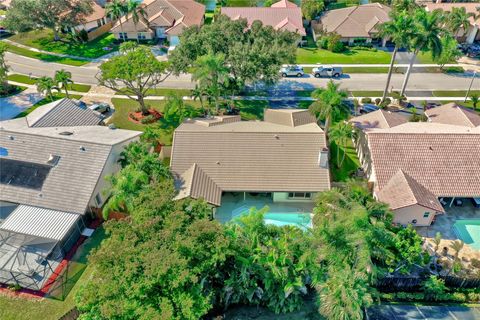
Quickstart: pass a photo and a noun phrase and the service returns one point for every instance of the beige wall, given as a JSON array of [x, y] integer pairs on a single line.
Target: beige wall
[[133, 35], [404, 216], [283, 197]]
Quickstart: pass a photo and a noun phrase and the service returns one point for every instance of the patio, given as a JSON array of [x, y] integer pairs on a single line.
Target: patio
[[234, 203], [444, 222]]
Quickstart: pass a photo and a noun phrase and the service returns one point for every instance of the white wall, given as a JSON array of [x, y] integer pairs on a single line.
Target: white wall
[[283, 197]]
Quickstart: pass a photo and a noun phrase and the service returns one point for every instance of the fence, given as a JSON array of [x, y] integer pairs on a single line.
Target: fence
[[70, 315], [99, 31], [414, 283]]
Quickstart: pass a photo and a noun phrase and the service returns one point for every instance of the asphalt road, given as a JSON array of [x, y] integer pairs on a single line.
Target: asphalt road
[[418, 81], [410, 312]]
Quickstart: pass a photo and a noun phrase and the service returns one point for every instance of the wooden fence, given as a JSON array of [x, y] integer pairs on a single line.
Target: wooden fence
[[99, 31]]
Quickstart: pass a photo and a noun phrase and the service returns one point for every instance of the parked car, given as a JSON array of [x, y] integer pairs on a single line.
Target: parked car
[[350, 105], [292, 71], [327, 71], [431, 105], [79, 103], [100, 107], [367, 108]]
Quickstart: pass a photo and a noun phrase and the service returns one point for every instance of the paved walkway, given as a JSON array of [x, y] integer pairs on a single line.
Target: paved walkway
[[13, 105]]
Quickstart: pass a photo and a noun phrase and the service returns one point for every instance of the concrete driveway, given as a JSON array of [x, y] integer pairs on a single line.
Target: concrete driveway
[[408, 312], [13, 105]]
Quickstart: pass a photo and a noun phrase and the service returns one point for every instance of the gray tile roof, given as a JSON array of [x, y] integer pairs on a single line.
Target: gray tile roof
[[63, 113]]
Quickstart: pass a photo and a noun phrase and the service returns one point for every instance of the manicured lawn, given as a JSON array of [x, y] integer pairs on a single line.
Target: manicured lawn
[[458, 93], [165, 92], [209, 17], [43, 40], [45, 57], [355, 56], [349, 165], [366, 93], [32, 80], [52, 308], [44, 101]]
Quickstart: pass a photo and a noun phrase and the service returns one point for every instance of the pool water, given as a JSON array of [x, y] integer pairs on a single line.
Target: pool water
[[299, 219], [468, 230]]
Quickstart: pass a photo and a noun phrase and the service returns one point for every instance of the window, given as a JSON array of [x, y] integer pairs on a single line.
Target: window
[[98, 199], [141, 36], [426, 214], [299, 195], [123, 35]]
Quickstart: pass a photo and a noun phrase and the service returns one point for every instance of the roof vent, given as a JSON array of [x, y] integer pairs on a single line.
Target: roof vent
[[66, 133], [111, 126], [323, 158], [82, 148], [10, 137], [276, 136], [53, 160], [218, 162]]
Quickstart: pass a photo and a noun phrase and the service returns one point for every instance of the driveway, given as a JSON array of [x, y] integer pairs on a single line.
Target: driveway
[[13, 105], [408, 312]]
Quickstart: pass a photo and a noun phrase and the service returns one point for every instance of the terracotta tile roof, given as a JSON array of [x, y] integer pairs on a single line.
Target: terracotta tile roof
[[451, 113], [280, 18], [404, 191], [357, 21], [98, 12], [289, 117], [379, 119], [471, 7], [171, 14], [251, 156], [442, 158], [284, 4], [195, 183]]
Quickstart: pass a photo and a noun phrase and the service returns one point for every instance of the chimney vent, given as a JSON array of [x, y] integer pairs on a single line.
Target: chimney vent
[[323, 158]]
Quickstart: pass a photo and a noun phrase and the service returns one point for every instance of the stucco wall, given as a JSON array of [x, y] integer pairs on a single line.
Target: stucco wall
[[406, 215], [283, 197], [133, 35]]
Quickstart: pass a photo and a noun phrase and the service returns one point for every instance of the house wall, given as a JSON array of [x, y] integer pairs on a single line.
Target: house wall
[[405, 216], [283, 197], [134, 35]]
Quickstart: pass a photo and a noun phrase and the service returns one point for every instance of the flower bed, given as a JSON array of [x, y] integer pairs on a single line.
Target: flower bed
[[140, 118]]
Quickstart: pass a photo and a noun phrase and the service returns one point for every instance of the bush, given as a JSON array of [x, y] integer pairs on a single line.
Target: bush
[[475, 263], [147, 119], [434, 288], [331, 42], [366, 100], [322, 42], [377, 101]]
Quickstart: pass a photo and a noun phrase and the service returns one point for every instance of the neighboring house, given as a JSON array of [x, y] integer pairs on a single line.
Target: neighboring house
[[96, 23], [470, 35], [412, 165], [354, 24], [53, 165], [165, 19], [284, 157], [282, 15]]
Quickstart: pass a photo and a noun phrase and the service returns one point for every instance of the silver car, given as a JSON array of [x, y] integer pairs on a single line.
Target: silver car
[[327, 71], [100, 107], [292, 71]]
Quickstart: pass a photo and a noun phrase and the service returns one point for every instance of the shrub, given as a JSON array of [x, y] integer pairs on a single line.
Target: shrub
[[434, 288], [331, 42], [366, 100], [322, 42], [377, 101], [475, 263], [147, 119]]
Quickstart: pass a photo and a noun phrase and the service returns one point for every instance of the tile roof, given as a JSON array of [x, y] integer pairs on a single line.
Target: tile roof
[[379, 119], [98, 12], [451, 113], [283, 4], [289, 117], [356, 21], [174, 15], [403, 191], [195, 183], [470, 7], [442, 158], [252, 155], [63, 113], [287, 18]]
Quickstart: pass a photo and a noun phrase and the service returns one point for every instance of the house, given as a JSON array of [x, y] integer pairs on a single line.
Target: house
[[165, 19], [414, 165], [282, 15], [96, 23], [283, 158], [470, 35], [357, 24], [53, 165]]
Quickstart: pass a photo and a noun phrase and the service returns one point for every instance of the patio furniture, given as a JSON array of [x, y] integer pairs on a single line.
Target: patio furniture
[[458, 202]]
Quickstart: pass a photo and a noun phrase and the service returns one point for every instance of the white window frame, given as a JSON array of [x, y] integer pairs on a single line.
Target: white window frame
[[299, 195]]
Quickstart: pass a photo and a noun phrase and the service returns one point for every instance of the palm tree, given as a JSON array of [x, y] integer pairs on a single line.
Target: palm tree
[[211, 73], [46, 85], [475, 98], [199, 93], [115, 10], [330, 104], [404, 5], [456, 19], [340, 135], [136, 11], [63, 79], [457, 246], [437, 240], [426, 38], [400, 29]]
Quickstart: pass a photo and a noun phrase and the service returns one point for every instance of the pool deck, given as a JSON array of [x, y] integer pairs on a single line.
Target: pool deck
[[234, 201]]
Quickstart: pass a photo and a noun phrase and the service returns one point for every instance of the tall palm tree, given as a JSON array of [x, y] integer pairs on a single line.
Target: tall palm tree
[[340, 134], [115, 10], [427, 37], [457, 246], [199, 93], [400, 29], [136, 12], [456, 19], [211, 73], [46, 85], [404, 5], [63, 79], [330, 104], [437, 240]]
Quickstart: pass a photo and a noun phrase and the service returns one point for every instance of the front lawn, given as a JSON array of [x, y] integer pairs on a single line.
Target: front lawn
[[45, 57], [43, 40], [44, 101], [21, 78], [51, 308], [351, 56], [456, 93]]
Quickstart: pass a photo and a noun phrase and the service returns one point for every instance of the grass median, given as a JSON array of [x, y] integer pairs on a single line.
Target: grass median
[[45, 57]]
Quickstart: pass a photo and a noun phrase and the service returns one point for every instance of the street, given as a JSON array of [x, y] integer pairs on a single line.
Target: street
[[359, 81], [408, 312]]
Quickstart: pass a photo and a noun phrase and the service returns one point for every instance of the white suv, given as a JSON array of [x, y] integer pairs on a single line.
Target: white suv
[[292, 71]]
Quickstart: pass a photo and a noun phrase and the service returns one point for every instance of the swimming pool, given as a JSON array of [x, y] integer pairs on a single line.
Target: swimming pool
[[300, 219], [468, 230]]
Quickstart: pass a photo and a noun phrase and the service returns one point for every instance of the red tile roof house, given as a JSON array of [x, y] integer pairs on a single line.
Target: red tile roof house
[[96, 23], [413, 165], [166, 19], [282, 15]]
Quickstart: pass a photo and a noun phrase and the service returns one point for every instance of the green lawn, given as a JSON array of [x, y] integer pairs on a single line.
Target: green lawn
[[457, 93], [165, 92], [366, 93], [32, 80], [355, 56], [43, 40], [44, 57], [349, 165], [209, 17], [44, 101], [52, 308]]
